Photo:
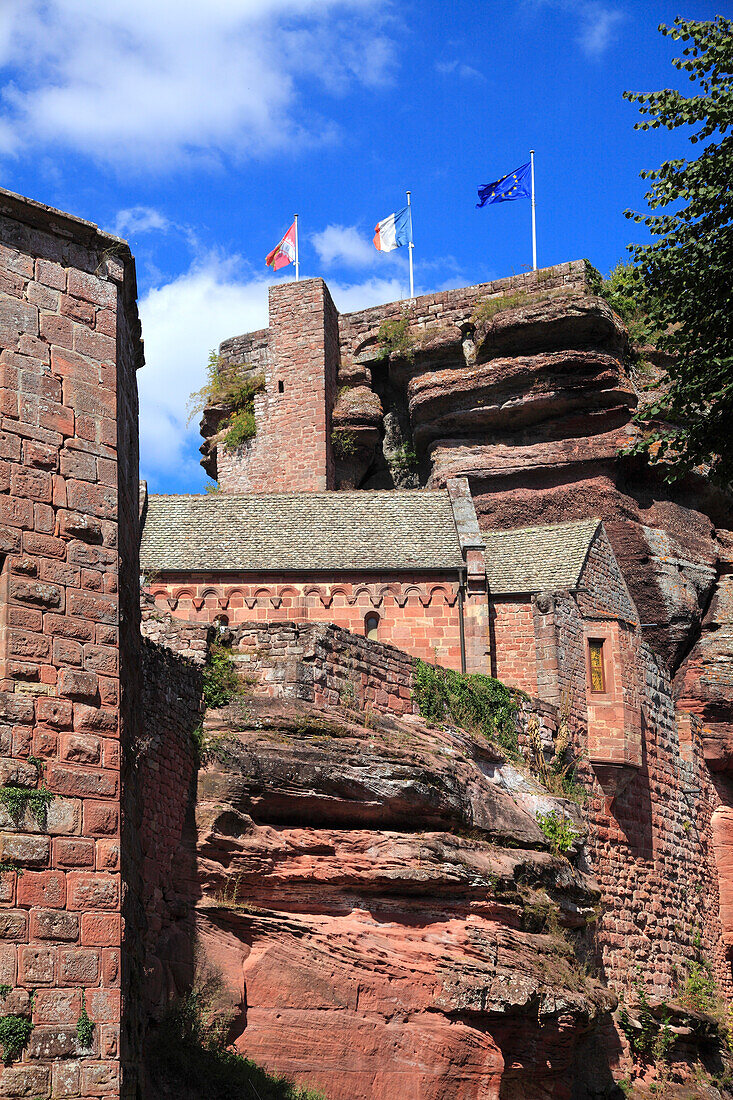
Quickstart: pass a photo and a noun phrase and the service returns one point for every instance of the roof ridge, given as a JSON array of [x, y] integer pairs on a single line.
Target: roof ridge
[[306, 494], [594, 520]]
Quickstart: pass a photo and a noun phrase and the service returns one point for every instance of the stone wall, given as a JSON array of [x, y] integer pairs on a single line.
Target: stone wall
[[325, 665], [650, 796], [651, 850], [454, 307], [69, 348], [165, 786], [417, 613], [649, 807], [184, 638], [292, 448]]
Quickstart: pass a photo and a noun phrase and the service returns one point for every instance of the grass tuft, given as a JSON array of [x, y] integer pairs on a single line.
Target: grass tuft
[[474, 702]]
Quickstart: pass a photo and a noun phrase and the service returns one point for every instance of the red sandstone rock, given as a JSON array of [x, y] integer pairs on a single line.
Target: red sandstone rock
[[357, 418], [399, 961]]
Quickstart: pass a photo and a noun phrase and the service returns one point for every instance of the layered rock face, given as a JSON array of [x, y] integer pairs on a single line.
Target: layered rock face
[[389, 918]]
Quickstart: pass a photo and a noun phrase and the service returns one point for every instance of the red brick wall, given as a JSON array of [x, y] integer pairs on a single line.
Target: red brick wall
[[69, 346], [292, 449], [417, 614], [513, 649]]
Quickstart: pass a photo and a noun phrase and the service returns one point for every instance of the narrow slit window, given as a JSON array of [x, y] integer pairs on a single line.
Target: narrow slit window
[[281, 387], [371, 627], [597, 667]]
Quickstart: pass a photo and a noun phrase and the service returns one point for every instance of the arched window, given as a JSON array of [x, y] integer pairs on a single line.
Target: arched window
[[371, 626], [221, 622]]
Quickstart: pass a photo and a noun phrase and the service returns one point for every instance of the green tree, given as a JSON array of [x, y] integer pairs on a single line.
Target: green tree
[[686, 273]]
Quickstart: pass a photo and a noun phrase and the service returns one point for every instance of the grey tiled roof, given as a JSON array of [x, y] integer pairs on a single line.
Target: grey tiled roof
[[391, 530], [538, 559]]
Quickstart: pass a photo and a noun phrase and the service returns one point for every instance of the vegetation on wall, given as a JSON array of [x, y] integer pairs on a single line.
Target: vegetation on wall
[[241, 424], [474, 702], [84, 1025], [559, 775], [558, 830], [15, 1031], [487, 309], [343, 442], [16, 799], [225, 385], [697, 1004], [221, 683], [395, 339], [403, 459], [685, 273]]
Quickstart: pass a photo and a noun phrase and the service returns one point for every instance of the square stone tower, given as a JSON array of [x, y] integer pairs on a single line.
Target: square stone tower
[[299, 357]]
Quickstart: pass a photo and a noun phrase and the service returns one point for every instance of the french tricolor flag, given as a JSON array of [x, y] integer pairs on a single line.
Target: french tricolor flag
[[394, 231]]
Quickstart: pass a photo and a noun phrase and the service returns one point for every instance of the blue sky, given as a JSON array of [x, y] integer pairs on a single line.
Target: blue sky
[[196, 131]]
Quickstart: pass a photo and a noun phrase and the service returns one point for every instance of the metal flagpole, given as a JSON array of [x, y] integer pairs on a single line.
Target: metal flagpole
[[534, 223], [411, 246], [297, 264]]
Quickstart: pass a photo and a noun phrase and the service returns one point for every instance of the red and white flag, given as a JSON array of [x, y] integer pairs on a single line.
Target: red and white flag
[[283, 253]]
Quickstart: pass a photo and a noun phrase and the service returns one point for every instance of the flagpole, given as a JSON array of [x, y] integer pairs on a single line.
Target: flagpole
[[412, 282], [297, 263], [534, 223]]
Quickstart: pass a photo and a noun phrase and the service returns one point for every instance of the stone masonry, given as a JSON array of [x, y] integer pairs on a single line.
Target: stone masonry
[[292, 449], [69, 348]]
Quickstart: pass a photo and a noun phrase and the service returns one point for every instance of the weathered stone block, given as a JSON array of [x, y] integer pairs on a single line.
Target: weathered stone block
[[53, 924], [78, 685], [78, 966], [29, 851], [36, 965], [28, 1081], [13, 925], [93, 891]]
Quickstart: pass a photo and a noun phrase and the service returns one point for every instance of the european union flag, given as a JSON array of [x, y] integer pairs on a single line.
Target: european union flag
[[513, 186]]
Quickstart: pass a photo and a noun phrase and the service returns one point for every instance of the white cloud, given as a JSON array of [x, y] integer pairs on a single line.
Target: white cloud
[[151, 84], [343, 244], [182, 321], [139, 219], [598, 26], [466, 72], [597, 22]]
